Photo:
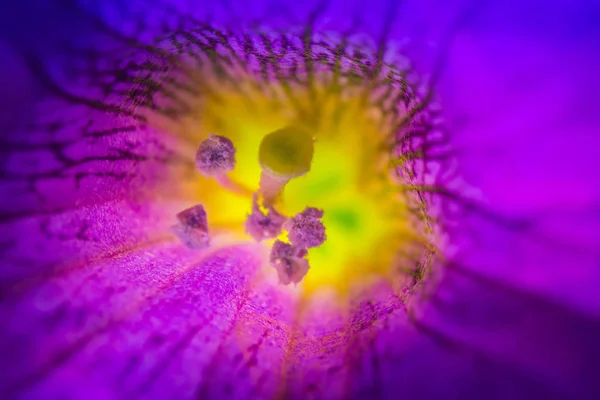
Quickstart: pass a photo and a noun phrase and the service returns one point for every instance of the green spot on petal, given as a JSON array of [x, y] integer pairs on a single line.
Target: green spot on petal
[[347, 219]]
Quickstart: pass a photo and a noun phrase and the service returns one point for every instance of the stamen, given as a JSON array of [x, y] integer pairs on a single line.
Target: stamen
[[215, 158], [306, 230], [264, 226], [192, 228], [283, 155], [289, 262]]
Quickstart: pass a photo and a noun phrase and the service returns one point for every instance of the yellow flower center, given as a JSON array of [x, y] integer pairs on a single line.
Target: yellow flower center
[[349, 177]]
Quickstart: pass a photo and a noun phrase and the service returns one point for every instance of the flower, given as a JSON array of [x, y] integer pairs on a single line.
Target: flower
[[99, 299]]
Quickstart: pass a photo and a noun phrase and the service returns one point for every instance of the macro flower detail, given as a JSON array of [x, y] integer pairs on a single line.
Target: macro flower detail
[[298, 156], [299, 200]]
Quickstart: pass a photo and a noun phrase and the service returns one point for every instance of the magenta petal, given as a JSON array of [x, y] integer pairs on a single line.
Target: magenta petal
[[151, 321]]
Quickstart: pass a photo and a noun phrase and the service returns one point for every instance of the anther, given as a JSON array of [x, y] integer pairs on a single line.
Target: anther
[[305, 230], [289, 262], [264, 226], [192, 228], [215, 158]]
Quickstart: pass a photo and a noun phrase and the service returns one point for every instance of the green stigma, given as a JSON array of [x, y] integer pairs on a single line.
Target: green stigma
[[287, 152]]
